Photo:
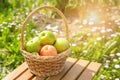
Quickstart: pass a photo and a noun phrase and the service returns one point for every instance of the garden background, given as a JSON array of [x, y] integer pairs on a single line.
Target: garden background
[[94, 27]]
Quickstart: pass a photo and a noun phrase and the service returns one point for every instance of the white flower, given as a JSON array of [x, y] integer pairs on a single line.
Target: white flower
[[93, 30], [55, 27], [113, 35], [112, 55], [103, 37], [48, 27], [103, 31], [73, 34], [72, 52], [56, 30], [106, 66], [33, 30], [114, 60], [85, 51], [117, 66], [76, 21], [91, 23], [88, 34], [73, 44], [118, 26], [36, 32], [11, 44], [80, 26], [95, 43], [102, 76], [99, 38], [26, 13], [109, 30], [118, 54], [117, 33], [116, 21], [85, 43], [33, 17], [13, 23], [25, 35], [117, 79], [19, 25], [85, 21], [110, 77], [107, 61], [61, 33]]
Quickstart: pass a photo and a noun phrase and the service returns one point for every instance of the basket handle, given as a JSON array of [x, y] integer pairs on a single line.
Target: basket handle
[[33, 12]]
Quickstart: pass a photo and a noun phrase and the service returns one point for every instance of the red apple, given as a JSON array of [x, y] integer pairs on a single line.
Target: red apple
[[48, 50]]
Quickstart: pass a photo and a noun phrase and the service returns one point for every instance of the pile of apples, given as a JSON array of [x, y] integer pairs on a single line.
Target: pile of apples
[[47, 44]]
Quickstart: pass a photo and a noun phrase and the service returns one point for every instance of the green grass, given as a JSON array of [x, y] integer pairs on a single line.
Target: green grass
[[86, 44]]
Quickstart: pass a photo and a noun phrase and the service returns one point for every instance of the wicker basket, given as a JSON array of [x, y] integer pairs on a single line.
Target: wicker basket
[[44, 66]]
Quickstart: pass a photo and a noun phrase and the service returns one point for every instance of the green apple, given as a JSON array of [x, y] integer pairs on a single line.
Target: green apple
[[47, 37], [61, 44], [34, 45]]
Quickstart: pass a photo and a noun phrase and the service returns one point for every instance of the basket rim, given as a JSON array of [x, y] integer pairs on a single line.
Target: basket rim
[[46, 58]]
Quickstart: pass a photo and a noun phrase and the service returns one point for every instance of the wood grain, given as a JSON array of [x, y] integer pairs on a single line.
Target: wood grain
[[73, 70], [76, 70], [90, 71], [16, 72], [26, 75], [69, 63]]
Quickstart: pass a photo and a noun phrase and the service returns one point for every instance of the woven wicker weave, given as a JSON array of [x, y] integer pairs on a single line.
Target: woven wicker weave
[[44, 66]]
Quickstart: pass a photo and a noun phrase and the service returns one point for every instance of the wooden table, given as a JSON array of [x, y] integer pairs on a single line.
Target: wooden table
[[74, 70]]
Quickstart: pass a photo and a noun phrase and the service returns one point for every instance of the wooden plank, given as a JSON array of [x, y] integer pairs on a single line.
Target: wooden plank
[[76, 70], [36, 78], [81, 69], [16, 72], [26, 75], [69, 63], [90, 71]]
